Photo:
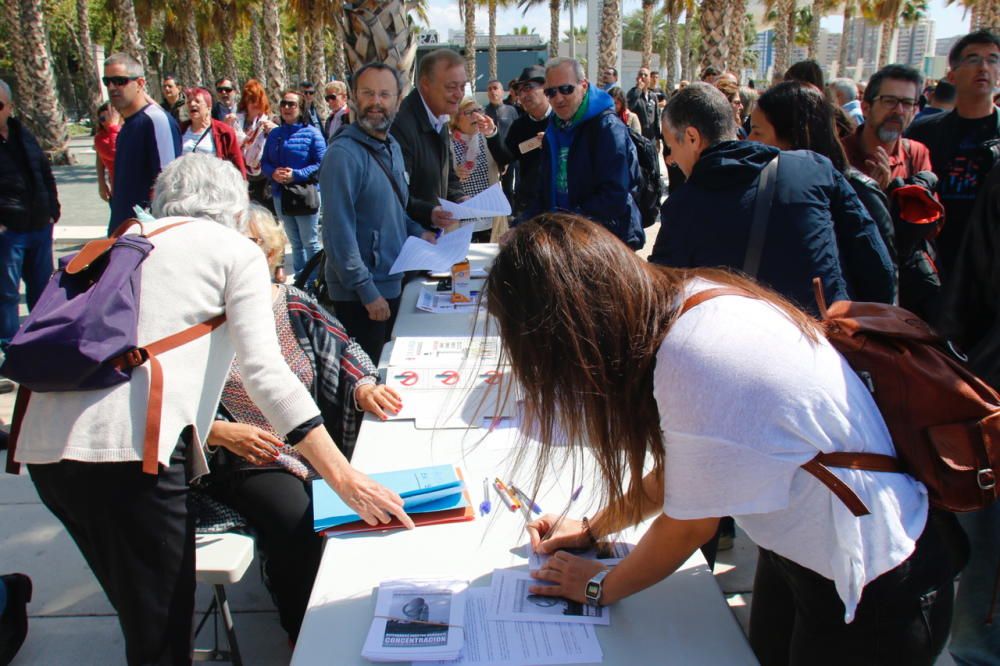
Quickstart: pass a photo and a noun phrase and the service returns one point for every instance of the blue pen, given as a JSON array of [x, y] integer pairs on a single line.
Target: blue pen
[[525, 499], [485, 505]]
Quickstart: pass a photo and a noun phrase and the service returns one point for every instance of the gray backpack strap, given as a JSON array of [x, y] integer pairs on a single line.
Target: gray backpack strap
[[761, 213]]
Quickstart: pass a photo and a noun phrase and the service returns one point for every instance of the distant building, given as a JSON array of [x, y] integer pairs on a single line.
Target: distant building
[[864, 39], [915, 42], [764, 48], [943, 46]]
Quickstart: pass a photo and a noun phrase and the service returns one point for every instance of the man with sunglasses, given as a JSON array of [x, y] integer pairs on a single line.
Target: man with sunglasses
[[29, 206], [148, 141], [588, 163], [309, 109], [956, 139], [335, 95], [226, 105], [644, 102]]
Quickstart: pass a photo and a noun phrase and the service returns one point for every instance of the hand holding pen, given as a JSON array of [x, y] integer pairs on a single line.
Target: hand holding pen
[[550, 533]]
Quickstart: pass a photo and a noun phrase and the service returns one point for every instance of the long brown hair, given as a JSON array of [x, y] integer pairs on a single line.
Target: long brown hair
[[581, 318]]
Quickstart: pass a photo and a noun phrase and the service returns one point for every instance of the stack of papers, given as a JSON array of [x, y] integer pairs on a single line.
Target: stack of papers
[[491, 202], [432, 300], [417, 621], [512, 601], [430, 495]]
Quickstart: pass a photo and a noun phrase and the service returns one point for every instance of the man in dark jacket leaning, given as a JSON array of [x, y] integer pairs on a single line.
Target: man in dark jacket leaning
[[421, 128], [589, 165], [29, 207], [707, 221]]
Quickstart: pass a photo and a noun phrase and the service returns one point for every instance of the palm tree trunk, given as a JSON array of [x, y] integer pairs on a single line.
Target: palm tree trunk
[[818, 8], [300, 53], [22, 75], [554, 28], [339, 57], [192, 49], [469, 8], [228, 39], [207, 66], [317, 52], [493, 38], [91, 77], [885, 48], [50, 126], [274, 54], [128, 28], [378, 30], [257, 48], [842, 63], [647, 33], [734, 34], [686, 50], [714, 47], [783, 36], [611, 25], [671, 52]]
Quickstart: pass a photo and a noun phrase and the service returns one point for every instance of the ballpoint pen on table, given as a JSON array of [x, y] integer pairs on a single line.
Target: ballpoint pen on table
[[485, 505], [525, 499], [501, 489], [562, 516]]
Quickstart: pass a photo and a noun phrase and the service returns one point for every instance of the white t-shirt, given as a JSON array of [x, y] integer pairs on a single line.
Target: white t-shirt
[[195, 142], [744, 400]]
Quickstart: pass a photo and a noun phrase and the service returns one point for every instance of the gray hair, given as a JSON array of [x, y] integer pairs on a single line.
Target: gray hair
[[845, 88], [200, 185], [559, 62], [701, 106], [131, 65], [5, 89]]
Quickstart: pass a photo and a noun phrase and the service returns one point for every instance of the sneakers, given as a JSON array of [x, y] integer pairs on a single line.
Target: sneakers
[[14, 621]]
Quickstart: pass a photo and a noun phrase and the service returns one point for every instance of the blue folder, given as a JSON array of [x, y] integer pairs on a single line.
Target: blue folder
[[424, 490]]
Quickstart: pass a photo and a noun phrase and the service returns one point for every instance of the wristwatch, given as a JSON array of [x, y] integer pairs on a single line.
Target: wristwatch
[[595, 588]]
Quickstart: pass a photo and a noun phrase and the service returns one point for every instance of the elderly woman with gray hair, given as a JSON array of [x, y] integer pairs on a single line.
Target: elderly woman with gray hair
[[84, 448]]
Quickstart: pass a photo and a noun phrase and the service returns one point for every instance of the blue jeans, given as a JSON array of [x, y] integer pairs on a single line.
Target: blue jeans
[[24, 255], [973, 642], [303, 234]]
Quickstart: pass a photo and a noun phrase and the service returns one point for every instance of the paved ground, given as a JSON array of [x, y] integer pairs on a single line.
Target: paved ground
[[71, 621]]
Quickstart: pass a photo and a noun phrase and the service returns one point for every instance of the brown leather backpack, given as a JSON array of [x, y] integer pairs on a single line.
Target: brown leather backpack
[[943, 419]]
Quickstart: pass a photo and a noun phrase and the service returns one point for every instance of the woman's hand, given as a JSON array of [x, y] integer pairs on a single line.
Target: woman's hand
[[249, 442], [570, 575], [569, 534], [378, 399], [372, 501]]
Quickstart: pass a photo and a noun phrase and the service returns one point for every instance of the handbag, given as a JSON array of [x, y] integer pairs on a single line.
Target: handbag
[[300, 198]]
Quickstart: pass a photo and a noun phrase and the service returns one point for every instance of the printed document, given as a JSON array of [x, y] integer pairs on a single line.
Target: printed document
[[494, 643], [512, 601], [417, 621], [491, 202], [419, 255]]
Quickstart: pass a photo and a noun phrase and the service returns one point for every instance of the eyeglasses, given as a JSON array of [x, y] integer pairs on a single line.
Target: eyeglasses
[[528, 86], [976, 60], [223, 89], [382, 95], [471, 112], [332, 97], [564, 89], [309, 92], [287, 104], [891, 101], [117, 81]]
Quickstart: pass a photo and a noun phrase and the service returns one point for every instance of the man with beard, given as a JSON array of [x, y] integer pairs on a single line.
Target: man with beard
[[877, 148], [363, 189]]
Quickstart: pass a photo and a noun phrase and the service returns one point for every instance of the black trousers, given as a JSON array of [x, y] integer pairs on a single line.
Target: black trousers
[[903, 618], [278, 506], [135, 532], [370, 334]]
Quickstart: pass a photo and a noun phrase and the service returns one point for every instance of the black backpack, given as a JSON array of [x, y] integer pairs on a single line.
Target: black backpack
[[649, 190]]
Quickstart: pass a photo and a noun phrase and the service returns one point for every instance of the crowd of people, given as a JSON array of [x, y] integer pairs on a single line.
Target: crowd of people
[[887, 192]]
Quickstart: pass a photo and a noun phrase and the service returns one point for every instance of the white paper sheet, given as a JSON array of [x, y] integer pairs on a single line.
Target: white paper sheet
[[492, 643], [437, 302], [459, 351], [491, 202], [511, 601], [419, 255], [609, 554]]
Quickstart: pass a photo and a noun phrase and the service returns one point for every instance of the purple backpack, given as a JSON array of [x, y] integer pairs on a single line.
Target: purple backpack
[[82, 333]]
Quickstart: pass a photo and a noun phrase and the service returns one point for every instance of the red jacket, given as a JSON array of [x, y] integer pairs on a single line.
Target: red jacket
[[227, 146]]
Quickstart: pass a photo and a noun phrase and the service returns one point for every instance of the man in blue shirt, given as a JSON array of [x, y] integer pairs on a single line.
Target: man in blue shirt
[[149, 139]]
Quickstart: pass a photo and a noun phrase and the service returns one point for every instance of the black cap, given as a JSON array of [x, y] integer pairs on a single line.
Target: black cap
[[532, 73]]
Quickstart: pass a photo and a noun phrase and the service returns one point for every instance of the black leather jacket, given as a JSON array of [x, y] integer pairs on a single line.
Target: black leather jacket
[[28, 199]]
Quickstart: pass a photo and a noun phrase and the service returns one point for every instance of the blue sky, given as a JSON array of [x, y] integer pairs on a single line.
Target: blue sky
[[444, 16]]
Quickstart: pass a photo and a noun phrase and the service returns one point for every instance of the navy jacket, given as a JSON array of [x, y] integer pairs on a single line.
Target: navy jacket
[[28, 199], [602, 170], [706, 222], [298, 146]]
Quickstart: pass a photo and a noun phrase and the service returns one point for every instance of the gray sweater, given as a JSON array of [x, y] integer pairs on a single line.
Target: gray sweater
[[364, 223]]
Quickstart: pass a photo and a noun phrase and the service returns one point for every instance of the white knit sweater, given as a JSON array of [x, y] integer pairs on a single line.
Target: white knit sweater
[[194, 273]]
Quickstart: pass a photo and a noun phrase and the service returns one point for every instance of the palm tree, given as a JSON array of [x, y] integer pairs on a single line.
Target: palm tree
[[634, 32], [379, 30], [850, 8], [734, 34], [523, 30], [50, 120], [611, 25], [191, 45], [887, 13], [22, 75], [554, 7], [259, 69], [231, 17], [714, 45], [647, 32], [985, 13], [672, 10], [274, 53], [91, 80], [467, 10], [687, 43], [321, 9], [782, 14], [491, 6], [913, 11], [820, 8], [128, 28]]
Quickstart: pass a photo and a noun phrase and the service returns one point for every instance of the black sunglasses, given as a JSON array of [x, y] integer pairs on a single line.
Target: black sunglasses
[[308, 92], [564, 89], [118, 81], [223, 89], [287, 104], [330, 98]]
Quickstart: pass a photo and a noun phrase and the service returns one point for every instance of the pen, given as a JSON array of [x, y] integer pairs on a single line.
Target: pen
[[525, 499], [501, 489], [562, 516], [485, 505]]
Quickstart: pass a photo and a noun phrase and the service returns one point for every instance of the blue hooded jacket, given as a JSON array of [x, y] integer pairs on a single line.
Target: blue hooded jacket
[[602, 170], [817, 226]]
